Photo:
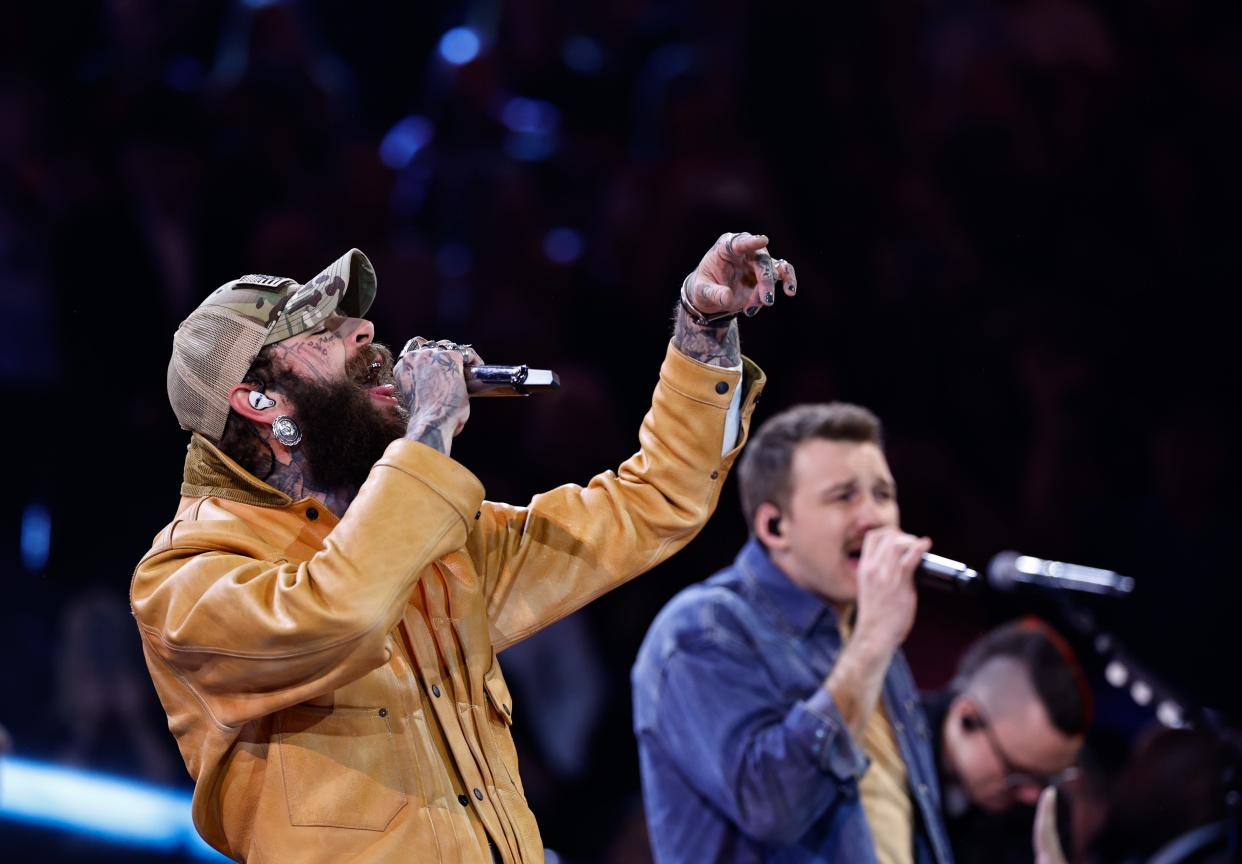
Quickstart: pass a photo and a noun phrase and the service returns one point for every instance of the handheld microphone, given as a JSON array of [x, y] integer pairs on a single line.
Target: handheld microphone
[[936, 571], [493, 380], [518, 380], [1009, 569]]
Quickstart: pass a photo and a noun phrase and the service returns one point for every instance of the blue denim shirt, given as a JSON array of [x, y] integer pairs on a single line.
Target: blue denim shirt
[[744, 755]]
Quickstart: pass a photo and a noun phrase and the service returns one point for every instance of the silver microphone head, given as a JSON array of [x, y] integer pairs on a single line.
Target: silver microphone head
[[941, 572], [518, 380], [1009, 568], [1002, 575]]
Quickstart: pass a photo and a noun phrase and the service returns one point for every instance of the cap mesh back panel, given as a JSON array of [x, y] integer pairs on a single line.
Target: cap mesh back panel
[[212, 351]]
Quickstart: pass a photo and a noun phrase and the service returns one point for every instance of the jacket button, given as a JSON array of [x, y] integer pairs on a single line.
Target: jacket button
[[312, 514], [478, 793], [507, 711], [722, 387], [383, 712], [477, 514], [463, 800], [435, 690], [715, 474]]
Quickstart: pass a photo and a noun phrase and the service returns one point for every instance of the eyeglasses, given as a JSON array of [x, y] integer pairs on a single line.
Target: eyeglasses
[[1017, 777]]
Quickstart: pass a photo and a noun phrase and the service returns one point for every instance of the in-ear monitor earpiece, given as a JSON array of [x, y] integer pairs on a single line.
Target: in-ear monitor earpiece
[[260, 400]]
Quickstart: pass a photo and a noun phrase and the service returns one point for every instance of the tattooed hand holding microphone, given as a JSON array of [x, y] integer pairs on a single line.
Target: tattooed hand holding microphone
[[431, 385]]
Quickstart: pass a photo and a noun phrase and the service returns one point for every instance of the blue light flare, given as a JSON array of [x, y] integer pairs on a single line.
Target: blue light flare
[[403, 141], [107, 808], [460, 45], [532, 125], [530, 116], [36, 537]]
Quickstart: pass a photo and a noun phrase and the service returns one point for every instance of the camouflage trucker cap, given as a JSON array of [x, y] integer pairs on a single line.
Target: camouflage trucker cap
[[214, 347]]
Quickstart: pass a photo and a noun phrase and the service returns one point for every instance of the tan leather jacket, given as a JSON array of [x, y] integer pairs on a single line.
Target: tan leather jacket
[[333, 684]]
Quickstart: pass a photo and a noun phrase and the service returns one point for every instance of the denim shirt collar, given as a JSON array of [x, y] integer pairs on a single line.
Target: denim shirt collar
[[797, 609]]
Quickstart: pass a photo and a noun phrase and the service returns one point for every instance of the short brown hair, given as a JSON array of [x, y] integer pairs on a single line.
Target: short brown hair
[[763, 474]]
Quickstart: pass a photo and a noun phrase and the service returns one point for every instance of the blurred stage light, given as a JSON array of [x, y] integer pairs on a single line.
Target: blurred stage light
[[106, 808], [403, 141], [1170, 714], [562, 245], [459, 46], [530, 116], [36, 537], [1116, 673], [1140, 692], [532, 125], [582, 54]]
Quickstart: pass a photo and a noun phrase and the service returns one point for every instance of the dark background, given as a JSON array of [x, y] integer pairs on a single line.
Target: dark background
[[1013, 222]]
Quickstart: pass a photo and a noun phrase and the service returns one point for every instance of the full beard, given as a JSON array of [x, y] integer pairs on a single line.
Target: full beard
[[344, 430]]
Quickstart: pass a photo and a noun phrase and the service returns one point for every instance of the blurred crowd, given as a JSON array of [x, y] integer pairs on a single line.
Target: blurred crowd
[[1012, 222]]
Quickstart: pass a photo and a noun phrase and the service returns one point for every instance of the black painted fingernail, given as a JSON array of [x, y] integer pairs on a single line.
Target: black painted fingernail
[[793, 289], [752, 311], [768, 298]]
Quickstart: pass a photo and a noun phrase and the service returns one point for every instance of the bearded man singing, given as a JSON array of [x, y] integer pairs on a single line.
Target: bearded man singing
[[321, 617]]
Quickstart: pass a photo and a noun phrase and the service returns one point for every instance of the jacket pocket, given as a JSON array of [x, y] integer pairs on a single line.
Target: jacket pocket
[[339, 767]]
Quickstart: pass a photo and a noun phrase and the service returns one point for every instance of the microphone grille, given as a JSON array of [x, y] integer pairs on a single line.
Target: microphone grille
[[1003, 571]]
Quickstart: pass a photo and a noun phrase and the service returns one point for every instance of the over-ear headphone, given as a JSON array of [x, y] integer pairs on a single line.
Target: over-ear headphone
[[774, 526], [259, 401]]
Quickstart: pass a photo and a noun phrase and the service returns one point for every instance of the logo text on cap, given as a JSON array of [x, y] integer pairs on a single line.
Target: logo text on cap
[[262, 279]]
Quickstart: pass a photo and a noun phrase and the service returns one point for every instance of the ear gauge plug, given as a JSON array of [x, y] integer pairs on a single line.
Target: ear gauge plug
[[970, 723], [260, 401], [774, 526]]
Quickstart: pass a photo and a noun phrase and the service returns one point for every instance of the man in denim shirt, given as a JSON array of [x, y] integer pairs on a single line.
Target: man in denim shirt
[[776, 718]]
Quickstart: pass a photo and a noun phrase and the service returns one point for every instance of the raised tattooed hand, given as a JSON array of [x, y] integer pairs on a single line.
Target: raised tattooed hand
[[431, 385], [738, 274]]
